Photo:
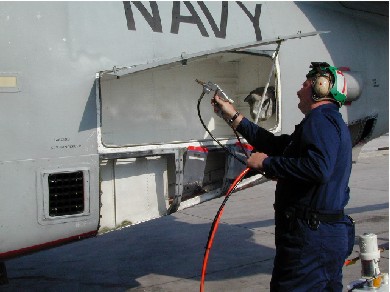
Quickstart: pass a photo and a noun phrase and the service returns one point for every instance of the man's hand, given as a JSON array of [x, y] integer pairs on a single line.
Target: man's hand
[[255, 161], [228, 110]]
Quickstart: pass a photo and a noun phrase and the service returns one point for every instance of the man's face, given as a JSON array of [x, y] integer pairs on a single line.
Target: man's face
[[305, 97]]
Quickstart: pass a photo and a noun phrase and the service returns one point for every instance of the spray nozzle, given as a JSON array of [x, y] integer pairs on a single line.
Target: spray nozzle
[[210, 86]]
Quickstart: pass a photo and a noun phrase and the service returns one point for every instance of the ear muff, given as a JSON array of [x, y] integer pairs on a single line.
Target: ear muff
[[321, 86], [327, 81]]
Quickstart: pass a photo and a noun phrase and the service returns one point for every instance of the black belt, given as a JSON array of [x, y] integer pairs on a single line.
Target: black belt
[[324, 216], [312, 217]]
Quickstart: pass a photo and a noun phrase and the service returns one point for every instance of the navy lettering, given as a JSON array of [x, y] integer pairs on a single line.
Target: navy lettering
[[254, 19], [193, 19], [153, 19], [221, 31]]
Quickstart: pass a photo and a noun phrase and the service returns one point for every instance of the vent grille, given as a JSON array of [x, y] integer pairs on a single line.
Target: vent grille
[[66, 193]]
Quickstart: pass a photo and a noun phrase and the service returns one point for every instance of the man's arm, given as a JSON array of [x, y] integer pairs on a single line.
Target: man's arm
[[321, 142], [261, 139]]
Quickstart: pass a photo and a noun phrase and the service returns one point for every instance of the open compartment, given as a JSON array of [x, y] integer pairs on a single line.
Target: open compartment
[[150, 111], [158, 105]]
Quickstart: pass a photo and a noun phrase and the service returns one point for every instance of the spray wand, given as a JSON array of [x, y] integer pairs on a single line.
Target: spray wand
[[207, 88]]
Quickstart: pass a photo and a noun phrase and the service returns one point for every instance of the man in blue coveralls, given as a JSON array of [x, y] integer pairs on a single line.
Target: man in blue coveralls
[[312, 166]]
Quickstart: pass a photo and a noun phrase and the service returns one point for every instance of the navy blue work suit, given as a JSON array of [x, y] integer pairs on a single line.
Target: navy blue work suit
[[312, 167]]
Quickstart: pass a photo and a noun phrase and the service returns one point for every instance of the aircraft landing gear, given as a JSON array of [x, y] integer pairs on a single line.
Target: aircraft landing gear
[[3, 274]]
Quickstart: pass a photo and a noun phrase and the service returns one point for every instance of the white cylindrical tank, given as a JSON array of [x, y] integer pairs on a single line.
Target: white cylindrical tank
[[372, 279], [369, 255], [354, 85]]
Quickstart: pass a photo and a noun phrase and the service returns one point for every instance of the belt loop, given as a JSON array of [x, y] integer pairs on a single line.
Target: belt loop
[[313, 221], [290, 216]]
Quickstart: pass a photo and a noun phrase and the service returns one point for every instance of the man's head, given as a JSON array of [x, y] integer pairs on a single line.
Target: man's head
[[328, 83]]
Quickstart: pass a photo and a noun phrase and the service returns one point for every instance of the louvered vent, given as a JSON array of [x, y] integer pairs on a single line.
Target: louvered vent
[[66, 193]]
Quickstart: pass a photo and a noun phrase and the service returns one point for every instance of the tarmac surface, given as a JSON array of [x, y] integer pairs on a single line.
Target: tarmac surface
[[166, 254]]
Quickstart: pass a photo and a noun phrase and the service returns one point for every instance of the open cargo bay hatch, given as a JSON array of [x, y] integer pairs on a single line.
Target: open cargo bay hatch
[[158, 105], [148, 118]]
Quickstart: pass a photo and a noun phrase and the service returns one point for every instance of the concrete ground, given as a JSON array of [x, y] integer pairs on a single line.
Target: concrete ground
[[166, 254]]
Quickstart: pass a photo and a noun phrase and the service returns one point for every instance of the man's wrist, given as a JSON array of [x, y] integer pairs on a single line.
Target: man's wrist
[[237, 121], [233, 118], [266, 166]]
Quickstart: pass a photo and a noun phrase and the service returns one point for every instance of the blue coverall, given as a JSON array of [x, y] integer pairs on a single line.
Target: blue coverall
[[312, 167]]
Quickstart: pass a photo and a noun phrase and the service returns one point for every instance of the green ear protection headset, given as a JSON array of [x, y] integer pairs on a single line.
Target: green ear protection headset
[[328, 81]]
